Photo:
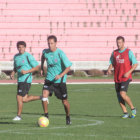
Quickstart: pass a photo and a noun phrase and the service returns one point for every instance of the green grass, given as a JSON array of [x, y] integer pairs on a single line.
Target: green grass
[[90, 105]]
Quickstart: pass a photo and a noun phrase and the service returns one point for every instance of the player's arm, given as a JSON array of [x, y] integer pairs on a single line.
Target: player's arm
[[30, 70], [109, 70], [134, 62], [67, 65], [63, 73], [33, 63], [42, 65], [131, 70], [12, 75]]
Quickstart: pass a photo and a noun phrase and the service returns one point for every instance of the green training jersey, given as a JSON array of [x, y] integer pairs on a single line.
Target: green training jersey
[[24, 62], [57, 62]]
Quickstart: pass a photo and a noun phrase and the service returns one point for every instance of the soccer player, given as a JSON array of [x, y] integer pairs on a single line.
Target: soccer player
[[58, 65], [124, 63], [24, 65]]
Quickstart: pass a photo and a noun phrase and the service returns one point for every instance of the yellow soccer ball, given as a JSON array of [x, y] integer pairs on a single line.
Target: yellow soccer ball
[[43, 121]]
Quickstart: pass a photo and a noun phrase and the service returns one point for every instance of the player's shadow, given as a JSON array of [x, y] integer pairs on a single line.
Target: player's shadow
[[4, 121], [75, 115], [81, 115], [5, 118], [7, 123]]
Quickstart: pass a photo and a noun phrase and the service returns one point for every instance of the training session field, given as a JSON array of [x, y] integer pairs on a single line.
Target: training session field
[[95, 115]]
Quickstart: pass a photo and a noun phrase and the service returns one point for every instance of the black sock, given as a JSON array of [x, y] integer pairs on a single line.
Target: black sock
[[46, 115], [133, 109], [125, 112]]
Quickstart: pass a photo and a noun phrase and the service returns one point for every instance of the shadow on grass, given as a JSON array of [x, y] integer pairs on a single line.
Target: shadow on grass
[[74, 115], [7, 123]]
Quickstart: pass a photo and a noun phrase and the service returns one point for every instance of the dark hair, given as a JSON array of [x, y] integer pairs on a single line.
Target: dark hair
[[52, 37], [21, 43], [120, 38]]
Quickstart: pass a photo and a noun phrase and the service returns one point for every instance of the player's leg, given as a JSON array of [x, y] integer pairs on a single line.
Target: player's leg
[[20, 93], [28, 98], [126, 98], [129, 102], [66, 106], [67, 110], [45, 102], [45, 94], [61, 93], [19, 107], [121, 100]]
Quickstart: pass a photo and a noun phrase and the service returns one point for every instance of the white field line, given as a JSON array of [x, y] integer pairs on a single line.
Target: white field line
[[96, 122], [73, 83], [92, 123]]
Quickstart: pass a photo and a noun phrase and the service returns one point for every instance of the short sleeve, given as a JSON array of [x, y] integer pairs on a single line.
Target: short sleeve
[[111, 59], [44, 52], [32, 61], [132, 58], [65, 60], [14, 64]]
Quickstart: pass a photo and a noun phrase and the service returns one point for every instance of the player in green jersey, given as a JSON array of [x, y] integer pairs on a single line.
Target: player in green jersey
[[58, 65], [24, 64]]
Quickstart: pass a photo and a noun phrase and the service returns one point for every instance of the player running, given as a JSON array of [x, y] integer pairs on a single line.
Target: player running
[[24, 65], [58, 65], [124, 63]]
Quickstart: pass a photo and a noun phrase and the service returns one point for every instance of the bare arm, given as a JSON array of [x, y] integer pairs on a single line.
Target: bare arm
[[130, 71], [12, 75], [30, 70], [109, 69], [42, 65], [63, 73]]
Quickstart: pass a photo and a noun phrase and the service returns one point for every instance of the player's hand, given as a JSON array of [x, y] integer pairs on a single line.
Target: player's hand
[[12, 76], [42, 73], [57, 77], [24, 72], [126, 75], [109, 72]]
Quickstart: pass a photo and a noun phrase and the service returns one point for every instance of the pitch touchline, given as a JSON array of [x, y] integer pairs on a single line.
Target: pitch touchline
[[73, 83]]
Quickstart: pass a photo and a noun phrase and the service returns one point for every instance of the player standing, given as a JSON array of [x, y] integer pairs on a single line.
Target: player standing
[[24, 65], [124, 63], [58, 65]]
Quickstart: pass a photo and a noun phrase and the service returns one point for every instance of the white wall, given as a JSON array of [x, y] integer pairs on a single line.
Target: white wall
[[77, 65]]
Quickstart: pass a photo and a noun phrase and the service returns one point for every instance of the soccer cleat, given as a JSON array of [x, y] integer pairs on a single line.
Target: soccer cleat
[[133, 113], [68, 122], [17, 118], [125, 115]]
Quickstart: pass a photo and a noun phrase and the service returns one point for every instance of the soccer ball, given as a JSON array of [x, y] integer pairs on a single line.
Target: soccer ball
[[43, 121]]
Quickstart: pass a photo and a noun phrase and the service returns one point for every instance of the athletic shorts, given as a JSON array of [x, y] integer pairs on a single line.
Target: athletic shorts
[[59, 89], [122, 86], [23, 88]]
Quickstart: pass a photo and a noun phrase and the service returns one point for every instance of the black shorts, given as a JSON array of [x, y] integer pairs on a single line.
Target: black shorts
[[23, 88], [60, 89], [122, 86]]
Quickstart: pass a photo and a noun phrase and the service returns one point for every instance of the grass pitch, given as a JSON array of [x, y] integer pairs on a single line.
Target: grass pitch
[[95, 115]]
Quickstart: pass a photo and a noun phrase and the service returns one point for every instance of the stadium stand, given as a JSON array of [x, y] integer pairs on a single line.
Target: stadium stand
[[86, 29]]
